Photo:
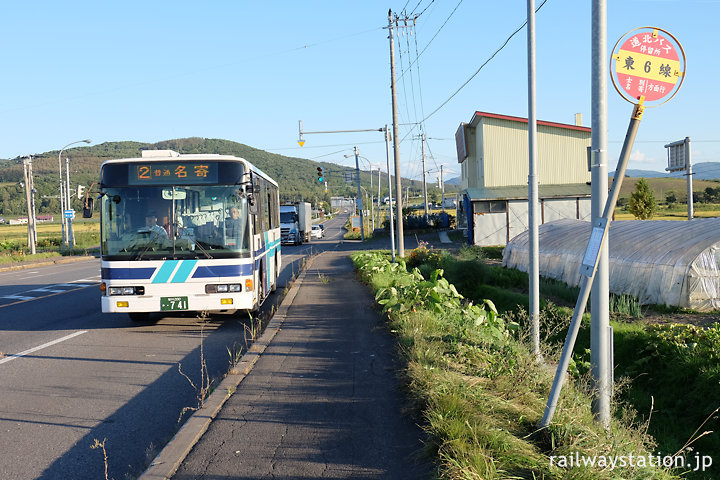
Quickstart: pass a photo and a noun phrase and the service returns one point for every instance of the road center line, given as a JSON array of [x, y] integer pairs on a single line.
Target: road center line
[[40, 347]]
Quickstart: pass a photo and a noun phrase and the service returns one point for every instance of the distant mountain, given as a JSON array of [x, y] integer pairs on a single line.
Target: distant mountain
[[297, 176], [454, 181], [701, 171]]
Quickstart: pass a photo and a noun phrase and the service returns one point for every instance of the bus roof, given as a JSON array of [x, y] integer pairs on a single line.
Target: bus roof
[[173, 156]]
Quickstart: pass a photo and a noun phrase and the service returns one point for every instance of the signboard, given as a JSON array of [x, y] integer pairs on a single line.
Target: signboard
[[590, 259], [172, 173], [355, 222], [70, 214], [649, 64], [677, 156], [348, 176]]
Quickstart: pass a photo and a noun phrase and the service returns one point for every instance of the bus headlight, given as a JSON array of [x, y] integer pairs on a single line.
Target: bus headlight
[[112, 291], [223, 288]]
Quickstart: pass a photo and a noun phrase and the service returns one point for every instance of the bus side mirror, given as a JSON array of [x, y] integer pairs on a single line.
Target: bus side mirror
[[88, 207], [252, 205]]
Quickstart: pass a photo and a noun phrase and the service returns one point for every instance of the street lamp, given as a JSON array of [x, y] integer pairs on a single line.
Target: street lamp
[[65, 195]]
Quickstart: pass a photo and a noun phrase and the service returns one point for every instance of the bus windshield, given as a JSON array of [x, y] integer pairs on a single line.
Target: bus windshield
[[153, 222]]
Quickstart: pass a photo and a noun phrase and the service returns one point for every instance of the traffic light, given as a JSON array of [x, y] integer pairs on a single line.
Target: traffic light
[[321, 174], [80, 191]]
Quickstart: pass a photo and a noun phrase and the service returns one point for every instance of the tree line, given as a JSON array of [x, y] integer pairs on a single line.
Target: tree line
[[297, 177]]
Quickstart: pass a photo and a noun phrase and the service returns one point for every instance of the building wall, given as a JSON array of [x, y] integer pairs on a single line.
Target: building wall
[[557, 208], [496, 228], [502, 155]]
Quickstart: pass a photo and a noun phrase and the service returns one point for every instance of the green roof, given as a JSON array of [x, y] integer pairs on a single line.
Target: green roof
[[520, 192]]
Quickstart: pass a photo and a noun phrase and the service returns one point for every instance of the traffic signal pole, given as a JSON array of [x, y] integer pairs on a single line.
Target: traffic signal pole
[[301, 142]]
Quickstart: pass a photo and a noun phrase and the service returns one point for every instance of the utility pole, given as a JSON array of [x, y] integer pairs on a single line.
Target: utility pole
[[30, 198], [390, 196], [396, 146], [425, 202], [442, 189], [360, 202]]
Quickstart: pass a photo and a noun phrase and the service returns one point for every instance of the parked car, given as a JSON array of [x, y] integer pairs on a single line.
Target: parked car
[[316, 231]]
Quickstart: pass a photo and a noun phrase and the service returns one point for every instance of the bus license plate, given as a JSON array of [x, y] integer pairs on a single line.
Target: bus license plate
[[173, 303]]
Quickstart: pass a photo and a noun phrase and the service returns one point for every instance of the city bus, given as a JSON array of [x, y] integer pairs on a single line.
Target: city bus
[[186, 233]]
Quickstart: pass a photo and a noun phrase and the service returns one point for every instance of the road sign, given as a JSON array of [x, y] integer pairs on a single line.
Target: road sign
[[649, 64], [678, 157], [70, 214]]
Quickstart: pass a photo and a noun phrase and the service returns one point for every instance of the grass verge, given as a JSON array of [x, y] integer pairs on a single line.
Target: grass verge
[[481, 394]]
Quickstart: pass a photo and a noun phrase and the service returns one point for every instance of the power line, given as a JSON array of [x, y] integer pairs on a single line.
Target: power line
[[436, 34], [483, 65]]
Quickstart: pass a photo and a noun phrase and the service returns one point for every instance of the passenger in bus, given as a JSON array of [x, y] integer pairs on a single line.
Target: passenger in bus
[[234, 228]]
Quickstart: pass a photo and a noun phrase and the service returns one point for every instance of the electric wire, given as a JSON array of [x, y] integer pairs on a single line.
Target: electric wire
[[483, 65], [402, 73]]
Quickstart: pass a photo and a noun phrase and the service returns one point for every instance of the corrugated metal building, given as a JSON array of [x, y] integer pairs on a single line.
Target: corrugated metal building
[[493, 154]]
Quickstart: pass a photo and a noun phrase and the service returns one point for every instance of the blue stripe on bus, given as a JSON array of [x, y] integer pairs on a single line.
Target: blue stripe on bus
[[116, 273], [245, 269], [184, 271], [165, 271]]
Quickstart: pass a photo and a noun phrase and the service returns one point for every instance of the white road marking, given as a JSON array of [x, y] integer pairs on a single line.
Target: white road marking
[[40, 347], [17, 297]]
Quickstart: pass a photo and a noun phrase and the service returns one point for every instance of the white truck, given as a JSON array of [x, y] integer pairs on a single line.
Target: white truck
[[295, 223]]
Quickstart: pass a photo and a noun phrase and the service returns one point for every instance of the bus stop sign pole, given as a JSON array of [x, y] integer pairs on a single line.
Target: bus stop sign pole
[[649, 65]]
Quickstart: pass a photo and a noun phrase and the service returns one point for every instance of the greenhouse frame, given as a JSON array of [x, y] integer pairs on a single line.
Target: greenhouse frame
[[662, 262]]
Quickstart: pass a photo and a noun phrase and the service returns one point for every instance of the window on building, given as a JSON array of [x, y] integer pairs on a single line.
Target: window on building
[[490, 206]]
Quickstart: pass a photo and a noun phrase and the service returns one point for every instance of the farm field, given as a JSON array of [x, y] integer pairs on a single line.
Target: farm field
[[13, 238]]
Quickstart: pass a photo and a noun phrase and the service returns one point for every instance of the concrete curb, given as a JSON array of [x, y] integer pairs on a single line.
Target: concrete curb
[[164, 466]]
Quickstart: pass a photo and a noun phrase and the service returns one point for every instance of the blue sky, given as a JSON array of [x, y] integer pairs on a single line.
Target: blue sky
[[249, 71]]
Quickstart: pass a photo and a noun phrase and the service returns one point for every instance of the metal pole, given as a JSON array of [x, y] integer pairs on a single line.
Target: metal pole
[[390, 197], [588, 271], [360, 202], [688, 159], [378, 200], [71, 235], [396, 146], [534, 251], [63, 194], [600, 354]]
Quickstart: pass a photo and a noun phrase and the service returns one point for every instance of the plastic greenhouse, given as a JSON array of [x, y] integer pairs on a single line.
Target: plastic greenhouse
[[656, 261]]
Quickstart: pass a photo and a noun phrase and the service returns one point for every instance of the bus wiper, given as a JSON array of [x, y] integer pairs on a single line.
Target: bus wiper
[[147, 247], [202, 249]]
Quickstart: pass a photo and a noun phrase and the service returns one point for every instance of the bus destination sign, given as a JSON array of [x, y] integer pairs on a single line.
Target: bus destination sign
[[170, 173]]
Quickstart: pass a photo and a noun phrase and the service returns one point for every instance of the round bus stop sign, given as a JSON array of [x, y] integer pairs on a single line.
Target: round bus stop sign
[[649, 64]]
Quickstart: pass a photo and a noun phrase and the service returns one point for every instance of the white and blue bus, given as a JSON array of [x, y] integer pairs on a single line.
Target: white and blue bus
[[187, 233]]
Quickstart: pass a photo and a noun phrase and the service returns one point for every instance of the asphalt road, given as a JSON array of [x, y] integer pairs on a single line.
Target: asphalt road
[[70, 374]]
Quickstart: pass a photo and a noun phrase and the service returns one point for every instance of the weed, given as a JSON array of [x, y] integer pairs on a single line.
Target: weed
[[480, 391], [150, 453], [625, 305], [101, 445], [202, 390], [235, 354], [324, 279]]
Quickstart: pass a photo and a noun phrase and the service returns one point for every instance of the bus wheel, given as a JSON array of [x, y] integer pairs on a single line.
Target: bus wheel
[[139, 316]]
